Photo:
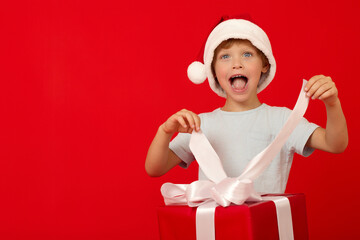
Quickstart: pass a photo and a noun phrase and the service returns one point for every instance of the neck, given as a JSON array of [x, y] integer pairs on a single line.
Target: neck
[[234, 106]]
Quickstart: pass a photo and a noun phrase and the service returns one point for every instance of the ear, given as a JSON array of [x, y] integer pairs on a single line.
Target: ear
[[265, 68]]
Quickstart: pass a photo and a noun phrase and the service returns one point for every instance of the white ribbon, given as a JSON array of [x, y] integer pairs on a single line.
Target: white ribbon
[[283, 215], [222, 190], [205, 224]]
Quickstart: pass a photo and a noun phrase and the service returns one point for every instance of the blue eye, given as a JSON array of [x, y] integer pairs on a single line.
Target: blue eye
[[225, 56], [247, 54]]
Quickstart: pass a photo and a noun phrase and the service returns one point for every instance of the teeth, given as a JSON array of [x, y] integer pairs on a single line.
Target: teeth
[[236, 76]]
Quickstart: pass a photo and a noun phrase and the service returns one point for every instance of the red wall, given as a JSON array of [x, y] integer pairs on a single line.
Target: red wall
[[84, 87]]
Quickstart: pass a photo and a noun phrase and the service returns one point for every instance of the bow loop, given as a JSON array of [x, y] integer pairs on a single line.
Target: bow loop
[[174, 194]]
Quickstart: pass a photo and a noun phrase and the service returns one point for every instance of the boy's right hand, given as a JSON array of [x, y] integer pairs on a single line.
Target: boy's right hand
[[183, 121]]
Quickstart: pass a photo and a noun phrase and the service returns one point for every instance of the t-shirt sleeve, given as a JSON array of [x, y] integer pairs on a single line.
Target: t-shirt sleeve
[[180, 146], [300, 136]]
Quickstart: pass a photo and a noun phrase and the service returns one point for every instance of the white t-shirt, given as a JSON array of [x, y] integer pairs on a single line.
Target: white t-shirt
[[237, 137]]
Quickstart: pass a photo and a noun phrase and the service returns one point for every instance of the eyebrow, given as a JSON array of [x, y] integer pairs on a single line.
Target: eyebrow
[[245, 49]]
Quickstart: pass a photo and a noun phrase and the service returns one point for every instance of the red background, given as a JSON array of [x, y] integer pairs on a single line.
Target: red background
[[85, 85]]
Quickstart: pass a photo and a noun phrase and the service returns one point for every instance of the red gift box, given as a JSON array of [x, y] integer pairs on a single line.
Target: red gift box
[[255, 221]]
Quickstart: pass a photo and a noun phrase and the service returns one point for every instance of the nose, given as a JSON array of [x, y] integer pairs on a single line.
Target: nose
[[237, 64]]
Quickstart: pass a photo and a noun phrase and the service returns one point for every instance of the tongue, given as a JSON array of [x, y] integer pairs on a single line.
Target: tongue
[[239, 84]]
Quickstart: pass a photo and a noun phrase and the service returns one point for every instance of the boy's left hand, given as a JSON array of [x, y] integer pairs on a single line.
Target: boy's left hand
[[323, 88]]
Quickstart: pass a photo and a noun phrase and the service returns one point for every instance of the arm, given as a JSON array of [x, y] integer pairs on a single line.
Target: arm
[[334, 138], [160, 159]]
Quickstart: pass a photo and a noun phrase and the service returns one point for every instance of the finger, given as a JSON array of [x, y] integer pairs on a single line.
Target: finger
[[312, 80], [321, 90], [181, 120], [327, 94], [332, 92], [190, 119], [315, 86], [197, 122]]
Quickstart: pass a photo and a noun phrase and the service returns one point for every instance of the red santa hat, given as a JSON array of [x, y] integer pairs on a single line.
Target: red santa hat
[[232, 29]]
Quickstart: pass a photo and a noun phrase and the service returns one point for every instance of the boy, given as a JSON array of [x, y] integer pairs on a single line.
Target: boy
[[238, 63]]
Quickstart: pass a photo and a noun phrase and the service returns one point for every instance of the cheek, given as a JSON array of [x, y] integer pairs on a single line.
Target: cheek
[[256, 67], [220, 70]]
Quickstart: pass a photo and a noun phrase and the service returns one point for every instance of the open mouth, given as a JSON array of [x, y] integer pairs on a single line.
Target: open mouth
[[238, 82]]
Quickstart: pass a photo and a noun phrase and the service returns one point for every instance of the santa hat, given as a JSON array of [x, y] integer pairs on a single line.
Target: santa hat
[[236, 29]]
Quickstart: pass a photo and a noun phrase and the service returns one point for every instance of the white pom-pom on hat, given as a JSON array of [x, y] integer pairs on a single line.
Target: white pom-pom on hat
[[196, 72]]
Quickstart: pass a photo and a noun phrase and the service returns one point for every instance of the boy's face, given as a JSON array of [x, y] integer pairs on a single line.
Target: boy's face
[[238, 70]]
